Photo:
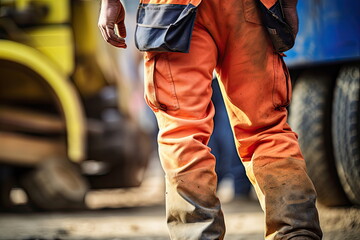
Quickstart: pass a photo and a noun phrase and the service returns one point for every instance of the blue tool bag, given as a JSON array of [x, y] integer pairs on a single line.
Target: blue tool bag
[[165, 27]]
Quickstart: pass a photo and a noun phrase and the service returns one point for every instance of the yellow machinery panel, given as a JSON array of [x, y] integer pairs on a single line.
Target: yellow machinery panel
[[58, 10], [56, 42], [65, 92]]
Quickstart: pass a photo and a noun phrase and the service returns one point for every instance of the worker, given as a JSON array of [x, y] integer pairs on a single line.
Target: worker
[[227, 36]]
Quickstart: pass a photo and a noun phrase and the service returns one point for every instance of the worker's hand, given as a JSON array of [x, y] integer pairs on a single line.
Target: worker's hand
[[291, 16], [112, 14]]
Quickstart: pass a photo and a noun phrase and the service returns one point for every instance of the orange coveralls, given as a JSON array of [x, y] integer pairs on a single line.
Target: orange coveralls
[[228, 37]]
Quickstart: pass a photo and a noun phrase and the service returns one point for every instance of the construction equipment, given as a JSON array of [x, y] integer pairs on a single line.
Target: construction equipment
[[325, 110], [64, 121]]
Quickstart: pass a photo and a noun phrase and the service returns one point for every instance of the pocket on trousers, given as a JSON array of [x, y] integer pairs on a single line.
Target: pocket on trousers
[[282, 83], [160, 90], [165, 26], [251, 11]]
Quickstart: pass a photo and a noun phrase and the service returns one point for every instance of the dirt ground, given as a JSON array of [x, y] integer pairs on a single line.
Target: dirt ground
[[139, 214]]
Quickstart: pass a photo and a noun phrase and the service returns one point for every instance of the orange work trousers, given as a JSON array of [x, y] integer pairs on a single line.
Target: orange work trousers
[[228, 37]]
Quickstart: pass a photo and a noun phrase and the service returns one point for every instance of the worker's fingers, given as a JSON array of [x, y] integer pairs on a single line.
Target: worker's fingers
[[109, 35], [111, 14], [121, 29], [112, 35], [117, 44], [103, 33]]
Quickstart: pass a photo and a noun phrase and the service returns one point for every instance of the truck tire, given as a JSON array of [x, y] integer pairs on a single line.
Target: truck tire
[[310, 117], [55, 184], [346, 130], [6, 184]]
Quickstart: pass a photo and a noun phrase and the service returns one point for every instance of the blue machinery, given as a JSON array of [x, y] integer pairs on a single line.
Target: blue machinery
[[329, 32], [325, 109]]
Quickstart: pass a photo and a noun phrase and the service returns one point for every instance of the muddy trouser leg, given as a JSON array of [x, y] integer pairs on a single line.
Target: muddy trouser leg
[[178, 89], [228, 36], [257, 89]]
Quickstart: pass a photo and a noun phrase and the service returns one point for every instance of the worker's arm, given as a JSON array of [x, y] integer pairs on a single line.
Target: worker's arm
[[290, 13], [112, 14]]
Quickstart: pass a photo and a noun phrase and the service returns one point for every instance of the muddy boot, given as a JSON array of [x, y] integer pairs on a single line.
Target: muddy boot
[[287, 196]]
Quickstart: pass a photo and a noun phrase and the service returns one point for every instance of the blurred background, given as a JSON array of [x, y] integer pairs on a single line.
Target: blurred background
[[78, 154]]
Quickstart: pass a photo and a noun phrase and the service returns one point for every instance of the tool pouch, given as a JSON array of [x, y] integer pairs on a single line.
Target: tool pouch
[[280, 32], [165, 27]]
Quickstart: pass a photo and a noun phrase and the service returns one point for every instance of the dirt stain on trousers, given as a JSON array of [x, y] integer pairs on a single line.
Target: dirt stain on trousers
[[228, 37]]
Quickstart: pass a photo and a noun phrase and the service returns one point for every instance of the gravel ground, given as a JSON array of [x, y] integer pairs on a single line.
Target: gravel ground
[[244, 222], [138, 214]]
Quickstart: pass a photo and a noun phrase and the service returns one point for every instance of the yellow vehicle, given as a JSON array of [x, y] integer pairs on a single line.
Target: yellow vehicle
[[64, 122]]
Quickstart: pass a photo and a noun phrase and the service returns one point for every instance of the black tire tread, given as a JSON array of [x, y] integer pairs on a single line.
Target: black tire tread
[[346, 130], [310, 114], [55, 184]]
